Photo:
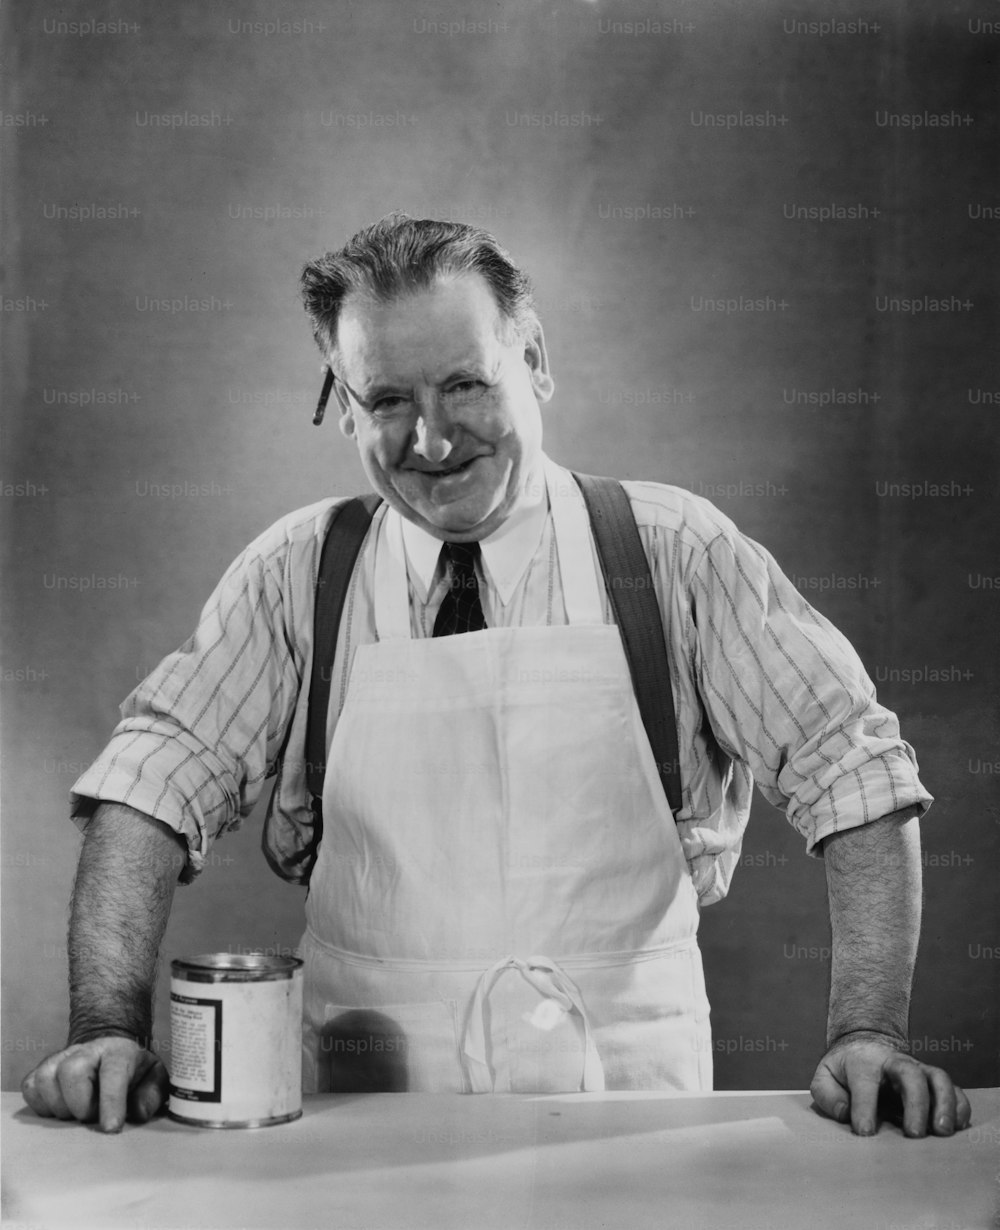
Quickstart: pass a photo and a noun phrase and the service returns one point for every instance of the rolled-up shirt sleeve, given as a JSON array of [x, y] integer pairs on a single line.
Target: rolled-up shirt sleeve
[[786, 692], [198, 737]]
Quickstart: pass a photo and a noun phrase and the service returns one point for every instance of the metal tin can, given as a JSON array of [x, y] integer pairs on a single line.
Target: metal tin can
[[236, 1039]]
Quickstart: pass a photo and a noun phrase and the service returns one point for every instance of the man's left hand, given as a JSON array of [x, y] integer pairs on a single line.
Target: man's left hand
[[863, 1074]]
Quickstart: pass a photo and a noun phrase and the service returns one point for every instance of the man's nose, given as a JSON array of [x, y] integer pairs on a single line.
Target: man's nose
[[433, 430]]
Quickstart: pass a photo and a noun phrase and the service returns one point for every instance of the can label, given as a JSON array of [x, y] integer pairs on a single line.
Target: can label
[[196, 1048], [236, 1040]]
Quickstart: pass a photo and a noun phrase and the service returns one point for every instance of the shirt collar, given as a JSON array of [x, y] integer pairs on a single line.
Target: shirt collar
[[506, 553]]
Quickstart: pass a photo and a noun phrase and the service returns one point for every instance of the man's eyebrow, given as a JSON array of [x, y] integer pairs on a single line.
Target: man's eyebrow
[[474, 367], [464, 371]]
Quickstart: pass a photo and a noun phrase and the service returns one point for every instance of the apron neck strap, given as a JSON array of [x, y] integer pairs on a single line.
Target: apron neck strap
[[579, 570], [392, 595]]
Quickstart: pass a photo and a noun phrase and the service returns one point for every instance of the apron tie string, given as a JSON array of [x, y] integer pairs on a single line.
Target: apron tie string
[[560, 995]]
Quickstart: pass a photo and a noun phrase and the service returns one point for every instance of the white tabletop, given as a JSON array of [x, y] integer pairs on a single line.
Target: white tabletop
[[756, 1161]]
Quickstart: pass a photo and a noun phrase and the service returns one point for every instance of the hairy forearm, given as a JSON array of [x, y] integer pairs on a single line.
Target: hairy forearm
[[873, 877], [121, 902]]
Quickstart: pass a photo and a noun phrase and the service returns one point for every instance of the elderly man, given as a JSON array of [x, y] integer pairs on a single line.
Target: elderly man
[[500, 893]]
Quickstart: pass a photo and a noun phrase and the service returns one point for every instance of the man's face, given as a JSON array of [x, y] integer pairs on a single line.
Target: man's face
[[443, 404]]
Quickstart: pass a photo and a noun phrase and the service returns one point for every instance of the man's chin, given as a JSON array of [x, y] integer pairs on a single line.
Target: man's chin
[[474, 515], [454, 524], [461, 519]]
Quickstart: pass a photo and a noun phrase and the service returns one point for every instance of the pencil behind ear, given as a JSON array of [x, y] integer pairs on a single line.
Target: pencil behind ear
[[324, 395]]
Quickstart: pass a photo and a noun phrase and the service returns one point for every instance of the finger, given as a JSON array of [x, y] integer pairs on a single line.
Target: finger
[[116, 1072], [863, 1087], [944, 1102], [909, 1079], [149, 1092], [829, 1094], [42, 1093], [963, 1110], [76, 1077]]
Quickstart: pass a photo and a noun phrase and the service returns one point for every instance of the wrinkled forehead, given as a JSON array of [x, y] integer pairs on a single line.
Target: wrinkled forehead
[[427, 332]]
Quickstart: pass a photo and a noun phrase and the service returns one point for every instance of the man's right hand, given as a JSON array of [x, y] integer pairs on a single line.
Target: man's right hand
[[108, 1079]]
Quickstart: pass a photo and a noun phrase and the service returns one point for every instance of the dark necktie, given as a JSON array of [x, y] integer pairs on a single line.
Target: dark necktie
[[461, 610]]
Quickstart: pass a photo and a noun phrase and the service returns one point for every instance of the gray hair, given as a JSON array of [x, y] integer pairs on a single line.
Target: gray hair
[[398, 255]]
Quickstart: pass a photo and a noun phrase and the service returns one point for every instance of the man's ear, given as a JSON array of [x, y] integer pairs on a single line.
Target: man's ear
[[537, 359], [347, 425]]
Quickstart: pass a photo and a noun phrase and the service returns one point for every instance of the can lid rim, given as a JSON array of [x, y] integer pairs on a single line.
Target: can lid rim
[[256, 961]]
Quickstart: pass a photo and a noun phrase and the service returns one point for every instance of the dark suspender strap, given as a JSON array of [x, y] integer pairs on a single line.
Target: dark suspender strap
[[336, 565], [633, 599]]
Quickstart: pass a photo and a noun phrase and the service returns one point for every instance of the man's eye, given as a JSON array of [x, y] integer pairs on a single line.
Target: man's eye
[[465, 391], [389, 405]]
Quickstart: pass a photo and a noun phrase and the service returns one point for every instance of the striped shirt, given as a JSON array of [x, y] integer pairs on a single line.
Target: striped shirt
[[765, 688]]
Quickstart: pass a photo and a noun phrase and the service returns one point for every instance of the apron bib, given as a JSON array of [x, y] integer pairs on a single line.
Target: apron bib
[[500, 902]]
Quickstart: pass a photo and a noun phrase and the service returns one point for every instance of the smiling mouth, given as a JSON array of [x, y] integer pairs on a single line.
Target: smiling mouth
[[446, 471]]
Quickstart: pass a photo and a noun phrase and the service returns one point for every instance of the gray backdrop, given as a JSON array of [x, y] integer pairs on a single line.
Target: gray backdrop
[[764, 251]]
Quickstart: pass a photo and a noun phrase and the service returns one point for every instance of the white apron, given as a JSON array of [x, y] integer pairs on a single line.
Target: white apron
[[500, 902]]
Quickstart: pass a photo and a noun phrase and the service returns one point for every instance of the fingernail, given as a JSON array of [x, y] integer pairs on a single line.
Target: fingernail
[[945, 1126], [840, 1112], [866, 1128], [114, 1125]]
